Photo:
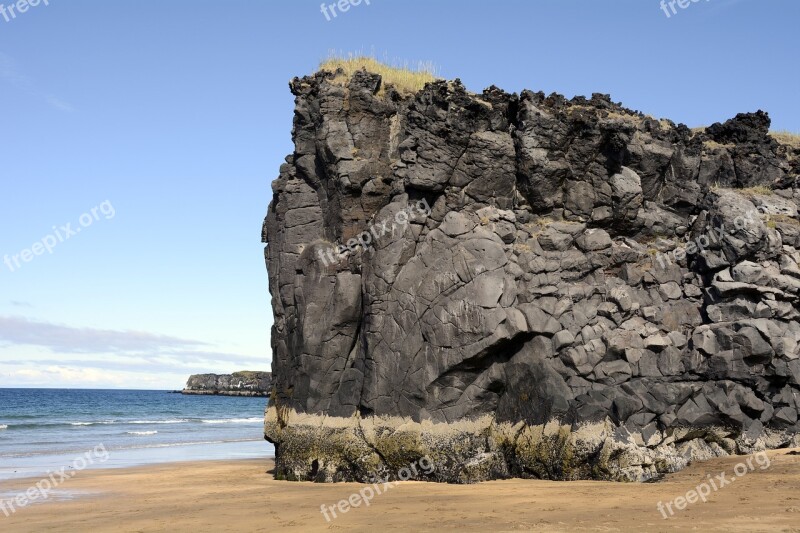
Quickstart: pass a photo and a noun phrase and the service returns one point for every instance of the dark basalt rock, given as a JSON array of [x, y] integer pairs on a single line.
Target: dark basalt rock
[[236, 384], [590, 294]]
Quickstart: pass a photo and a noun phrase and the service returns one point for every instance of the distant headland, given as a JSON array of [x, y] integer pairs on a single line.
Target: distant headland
[[245, 383]]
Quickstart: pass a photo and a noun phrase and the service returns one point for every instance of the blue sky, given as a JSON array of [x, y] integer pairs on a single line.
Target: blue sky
[[175, 115]]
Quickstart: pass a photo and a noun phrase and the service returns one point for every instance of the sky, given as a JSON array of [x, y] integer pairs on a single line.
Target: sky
[[139, 139]]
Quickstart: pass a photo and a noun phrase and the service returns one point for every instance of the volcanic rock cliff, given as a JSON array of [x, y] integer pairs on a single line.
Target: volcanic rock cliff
[[236, 384], [526, 286]]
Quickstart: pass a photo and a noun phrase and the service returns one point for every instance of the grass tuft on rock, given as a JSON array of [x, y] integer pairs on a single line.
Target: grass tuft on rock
[[786, 137], [406, 79]]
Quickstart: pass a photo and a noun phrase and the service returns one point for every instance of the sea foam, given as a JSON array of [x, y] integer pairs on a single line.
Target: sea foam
[[234, 421]]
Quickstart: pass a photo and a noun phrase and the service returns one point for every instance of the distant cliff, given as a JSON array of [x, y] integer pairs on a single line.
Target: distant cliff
[[236, 384]]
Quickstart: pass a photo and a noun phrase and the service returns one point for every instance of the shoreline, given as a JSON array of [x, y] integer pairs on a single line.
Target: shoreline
[[233, 394], [31, 466], [220, 494]]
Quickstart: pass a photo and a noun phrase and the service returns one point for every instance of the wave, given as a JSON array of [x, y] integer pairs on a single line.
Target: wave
[[171, 421], [34, 425], [137, 422], [30, 426], [141, 433], [234, 420], [178, 444]]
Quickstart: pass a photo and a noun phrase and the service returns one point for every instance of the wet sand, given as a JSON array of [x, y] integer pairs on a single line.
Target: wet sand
[[241, 496]]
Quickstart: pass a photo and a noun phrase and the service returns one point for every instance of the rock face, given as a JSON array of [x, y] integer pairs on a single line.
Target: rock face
[[236, 384], [552, 288]]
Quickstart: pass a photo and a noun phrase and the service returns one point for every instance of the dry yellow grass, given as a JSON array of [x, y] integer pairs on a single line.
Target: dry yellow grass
[[786, 137], [758, 190], [406, 80], [774, 220], [665, 123], [783, 136], [536, 227], [714, 145], [613, 115]]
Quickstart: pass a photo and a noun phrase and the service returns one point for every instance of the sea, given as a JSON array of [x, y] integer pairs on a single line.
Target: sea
[[43, 430]]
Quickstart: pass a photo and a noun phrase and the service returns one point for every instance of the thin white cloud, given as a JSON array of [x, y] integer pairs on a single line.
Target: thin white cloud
[[10, 74], [67, 377], [20, 331], [62, 355], [176, 364], [59, 104]]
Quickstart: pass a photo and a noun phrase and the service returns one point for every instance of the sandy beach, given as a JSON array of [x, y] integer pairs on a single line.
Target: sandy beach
[[243, 496]]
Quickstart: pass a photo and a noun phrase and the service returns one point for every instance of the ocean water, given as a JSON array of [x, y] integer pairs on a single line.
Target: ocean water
[[44, 429]]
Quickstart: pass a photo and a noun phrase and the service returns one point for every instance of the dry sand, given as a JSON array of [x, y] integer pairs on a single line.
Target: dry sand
[[241, 496]]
